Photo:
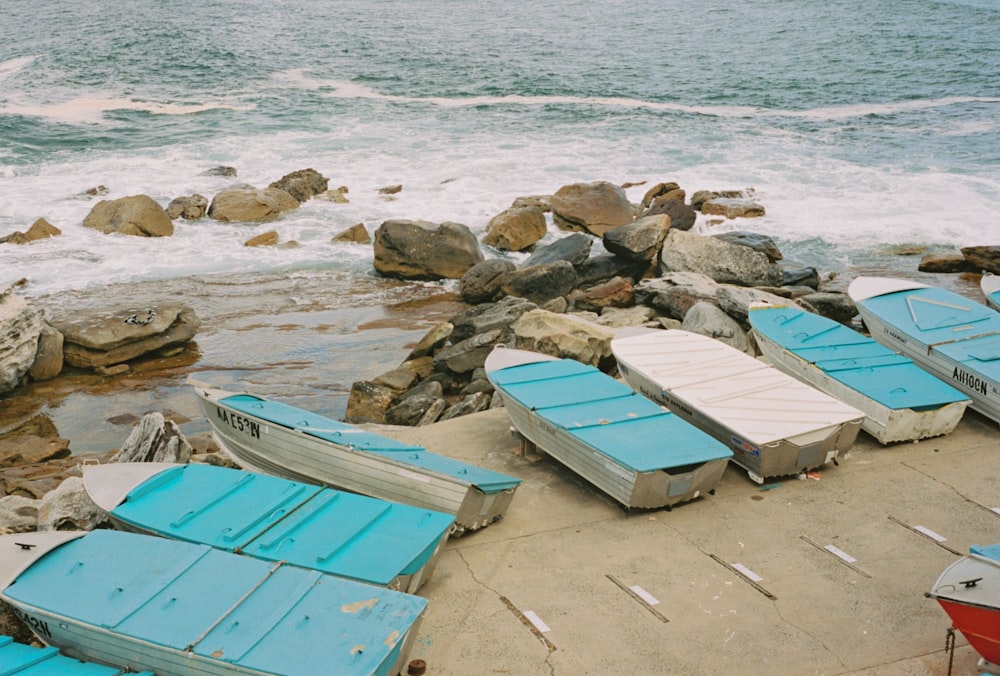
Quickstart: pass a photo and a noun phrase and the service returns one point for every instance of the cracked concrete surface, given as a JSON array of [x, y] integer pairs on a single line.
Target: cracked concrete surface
[[553, 553]]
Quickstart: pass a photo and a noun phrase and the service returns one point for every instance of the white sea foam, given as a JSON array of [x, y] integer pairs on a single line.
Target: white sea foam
[[82, 110]]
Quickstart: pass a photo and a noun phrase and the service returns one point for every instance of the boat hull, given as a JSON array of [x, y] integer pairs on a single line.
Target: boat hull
[[18, 658], [260, 445], [174, 608], [886, 424], [734, 397], [969, 592], [990, 285], [351, 536], [574, 426], [960, 346]]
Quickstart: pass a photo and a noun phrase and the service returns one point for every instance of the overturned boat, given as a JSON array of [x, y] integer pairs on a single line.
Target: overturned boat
[[901, 401], [18, 659], [969, 592], [275, 438], [275, 519], [172, 607], [948, 335], [629, 447], [775, 424]]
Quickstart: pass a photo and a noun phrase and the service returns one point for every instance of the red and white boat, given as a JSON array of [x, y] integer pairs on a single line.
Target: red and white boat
[[969, 591]]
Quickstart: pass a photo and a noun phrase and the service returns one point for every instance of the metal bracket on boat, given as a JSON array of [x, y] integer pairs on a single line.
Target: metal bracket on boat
[[25, 545], [968, 584]]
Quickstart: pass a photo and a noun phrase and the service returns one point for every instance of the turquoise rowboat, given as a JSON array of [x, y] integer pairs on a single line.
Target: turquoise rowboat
[[901, 401], [271, 437], [172, 607], [347, 535], [634, 450], [948, 335]]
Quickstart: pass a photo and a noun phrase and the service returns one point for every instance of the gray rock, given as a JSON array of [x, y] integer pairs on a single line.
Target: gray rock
[[800, 277], [410, 410], [154, 439], [604, 267], [425, 251], [399, 379], [18, 514], [674, 293], [431, 388], [136, 215], [49, 358], [639, 240], [68, 507], [469, 354], [563, 335], [433, 412], [731, 207], [710, 320], [574, 248], [617, 292], [480, 401], [945, 263], [660, 191], [735, 301], [484, 281], [103, 338], [539, 283], [722, 261], [432, 341], [21, 325], [761, 243], [488, 316], [836, 306]]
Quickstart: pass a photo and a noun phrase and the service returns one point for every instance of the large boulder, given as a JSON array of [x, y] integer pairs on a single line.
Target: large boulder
[[302, 184], [591, 207], [724, 262], [250, 205], [983, 258], [21, 325], [732, 207], [639, 240], [468, 355], [93, 339], [574, 249], [425, 251], [136, 215], [563, 335], [605, 267], [761, 243], [516, 229], [735, 301]]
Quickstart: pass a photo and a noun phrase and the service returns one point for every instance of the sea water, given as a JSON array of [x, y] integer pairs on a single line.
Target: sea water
[[863, 128], [859, 126]]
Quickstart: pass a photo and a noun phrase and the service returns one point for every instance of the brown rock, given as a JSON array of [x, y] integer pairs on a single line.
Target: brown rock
[[251, 204], [944, 262], [591, 207], [368, 402], [27, 449], [49, 357], [983, 258], [138, 215], [356, 233], [515, 229], [302, 184], [40, 229], [269, 238]]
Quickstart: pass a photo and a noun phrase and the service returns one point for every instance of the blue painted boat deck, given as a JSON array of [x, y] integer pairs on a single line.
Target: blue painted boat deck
[[185, 596], [956, 327], [267, 517], [988, 551], [855, 360], [608, 415], [358, 439], [25, 660]]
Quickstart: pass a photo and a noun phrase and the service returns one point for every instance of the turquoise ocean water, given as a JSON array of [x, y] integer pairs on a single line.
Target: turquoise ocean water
[[862, 126]]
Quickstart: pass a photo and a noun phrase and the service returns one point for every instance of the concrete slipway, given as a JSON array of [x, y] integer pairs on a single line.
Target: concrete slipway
[[566, 583]]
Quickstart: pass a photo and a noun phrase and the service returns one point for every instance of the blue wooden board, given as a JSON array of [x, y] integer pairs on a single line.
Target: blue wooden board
[[369, 442], [855, 360], [608, 415], [340, 533], [955, 326], [172, 593], [25, 660]]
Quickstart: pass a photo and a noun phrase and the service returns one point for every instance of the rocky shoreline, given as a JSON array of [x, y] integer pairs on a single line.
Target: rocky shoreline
[[564, 300]]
